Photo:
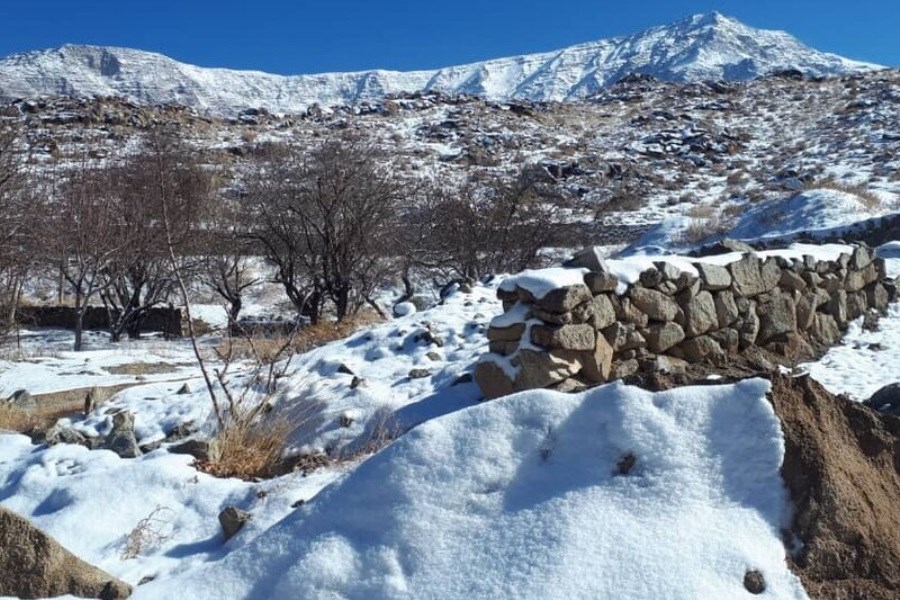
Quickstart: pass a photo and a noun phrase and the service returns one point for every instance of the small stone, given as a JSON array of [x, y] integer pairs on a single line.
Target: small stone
[[754, 582], [202, 450], [184, 390], [419, 373], [357, 382], [434, 356], [232, 521]]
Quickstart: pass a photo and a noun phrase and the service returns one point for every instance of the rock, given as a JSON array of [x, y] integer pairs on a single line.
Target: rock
[[806, 308], [93, 399], [604, 312], [837, 308], [121, 439], [601, 283], [624, 368], [770, 272], [597, 365], [749, 327], [357, 382], [664, 364], [729, 339], [34, 565], [492, 379], [512, 333], [503, 348], [564, 299], [433, 356], [703, 349], [825, 329], [857, 280], [419, 373], [557, 319], [700, 315], [654, 304], [650, 278], [713, 277], [569, 386], [566, 337], [754, 582], [629, 313], [668, 271], [662, 336], [886, 399], [232, 521], [588, 258], [63, 435], [202, 450], [856, 305], [541, 369], [746, 277], [184, 390], [22, 399], [777, 315], [792, 281], [861, 258], [877, 297], [726, 308], [623, 336]]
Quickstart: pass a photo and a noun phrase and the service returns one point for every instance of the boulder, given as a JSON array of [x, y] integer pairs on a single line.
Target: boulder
[[746, 278], [121, 439], [588, 258], [861, 258], [726, 308], [662, 336], [713, 277], [654, 304], [232, 520], [63, 435], [565, 337], [202, 450], [651, 278], [825, 329], [777, 315], [624, 368], [877, 297], [749, 327], [492, 379], [629, 313], [564, 299], [604, 312], [837, 308], [886, 399], [856, 305], [34, 565], [700, 314], [600, 283], [790, 280], [512, 333], [624, 336], [728, 338], [703, 349], [597, 365], [539, 369]]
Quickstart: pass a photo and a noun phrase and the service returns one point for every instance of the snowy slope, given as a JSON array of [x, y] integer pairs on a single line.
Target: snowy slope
[[706, 46], [518, 498]]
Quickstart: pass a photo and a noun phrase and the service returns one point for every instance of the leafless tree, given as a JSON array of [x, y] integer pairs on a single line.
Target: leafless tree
[[142, 276], [80, 226], [487, 225], [14, 223], [325, 218]]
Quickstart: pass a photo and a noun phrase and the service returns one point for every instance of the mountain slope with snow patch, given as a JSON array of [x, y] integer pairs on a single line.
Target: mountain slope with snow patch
[[701, 47]]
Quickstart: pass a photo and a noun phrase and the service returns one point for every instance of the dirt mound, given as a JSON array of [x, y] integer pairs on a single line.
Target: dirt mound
[[842, 469]]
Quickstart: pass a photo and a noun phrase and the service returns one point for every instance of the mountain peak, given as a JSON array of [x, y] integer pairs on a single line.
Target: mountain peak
[[700, 47]]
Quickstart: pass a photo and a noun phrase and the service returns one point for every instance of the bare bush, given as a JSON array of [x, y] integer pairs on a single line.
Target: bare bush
[[150, 532]]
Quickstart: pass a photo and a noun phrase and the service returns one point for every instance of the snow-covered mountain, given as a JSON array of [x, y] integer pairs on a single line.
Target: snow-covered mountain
[[706, 46]]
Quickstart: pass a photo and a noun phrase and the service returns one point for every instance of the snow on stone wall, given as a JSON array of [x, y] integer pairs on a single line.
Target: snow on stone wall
[[598, 320]]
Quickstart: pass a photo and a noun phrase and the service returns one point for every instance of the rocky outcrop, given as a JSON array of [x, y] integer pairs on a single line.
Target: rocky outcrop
[[842, 470], [34, 565], [710, 311]]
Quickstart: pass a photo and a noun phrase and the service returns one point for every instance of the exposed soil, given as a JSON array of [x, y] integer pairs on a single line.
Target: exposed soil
[[842, 469], [141, 368]]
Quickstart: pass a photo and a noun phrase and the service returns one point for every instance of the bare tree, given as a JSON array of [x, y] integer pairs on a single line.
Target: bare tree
[[487, 226], [14, 223], [227, 256], [326, 219], [80, 228]]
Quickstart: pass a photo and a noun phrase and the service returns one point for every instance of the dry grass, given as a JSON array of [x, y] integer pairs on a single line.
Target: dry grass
[[869, 199], [248, 450], [150, 532], [269, 349]]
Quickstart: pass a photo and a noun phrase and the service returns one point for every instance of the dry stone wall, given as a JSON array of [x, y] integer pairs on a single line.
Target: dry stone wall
[[582, 325]]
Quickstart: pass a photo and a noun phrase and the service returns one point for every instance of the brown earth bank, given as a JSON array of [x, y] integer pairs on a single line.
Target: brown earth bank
[[842, 470]]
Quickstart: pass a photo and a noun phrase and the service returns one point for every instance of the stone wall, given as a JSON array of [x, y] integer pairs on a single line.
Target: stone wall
[[161, 319], [596, 327]]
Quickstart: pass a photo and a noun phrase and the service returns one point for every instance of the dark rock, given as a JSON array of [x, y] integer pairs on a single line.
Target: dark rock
[[202, 450], [232, 521], [754, 582], [886, 399]]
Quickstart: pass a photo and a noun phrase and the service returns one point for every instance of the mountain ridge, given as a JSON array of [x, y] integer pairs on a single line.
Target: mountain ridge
[[699, 47]]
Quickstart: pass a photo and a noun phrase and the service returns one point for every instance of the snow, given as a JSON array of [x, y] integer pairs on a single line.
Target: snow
[[815, 212], [518, 498], [710, 47], [540, 282]]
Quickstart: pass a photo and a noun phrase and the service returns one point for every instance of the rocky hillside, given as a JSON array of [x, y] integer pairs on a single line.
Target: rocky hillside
[[701, 47]]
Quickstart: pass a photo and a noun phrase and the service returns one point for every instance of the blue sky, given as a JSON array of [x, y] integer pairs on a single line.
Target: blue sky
[[307, 37]]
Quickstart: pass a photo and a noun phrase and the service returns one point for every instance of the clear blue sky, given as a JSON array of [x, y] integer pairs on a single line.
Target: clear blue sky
[[306, 37]]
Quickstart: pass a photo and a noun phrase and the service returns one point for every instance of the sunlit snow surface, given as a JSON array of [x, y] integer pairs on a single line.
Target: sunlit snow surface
[[518, 498]]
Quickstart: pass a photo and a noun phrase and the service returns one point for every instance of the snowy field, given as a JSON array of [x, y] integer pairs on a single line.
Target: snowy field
[[521, 497]]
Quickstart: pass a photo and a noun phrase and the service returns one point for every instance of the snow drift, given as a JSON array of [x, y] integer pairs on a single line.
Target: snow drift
[[529, 497]]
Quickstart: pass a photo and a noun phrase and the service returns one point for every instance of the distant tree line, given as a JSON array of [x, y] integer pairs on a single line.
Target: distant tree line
[[335, 222]]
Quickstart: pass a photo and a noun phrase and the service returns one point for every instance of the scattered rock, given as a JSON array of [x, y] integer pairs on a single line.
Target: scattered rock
[[232, 521], [419, 373], [63, 435], [34, 565], [754, 582], [184, 390]]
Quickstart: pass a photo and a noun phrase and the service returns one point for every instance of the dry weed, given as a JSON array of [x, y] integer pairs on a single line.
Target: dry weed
[[247, 449], [150, 532], [869, 199]]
